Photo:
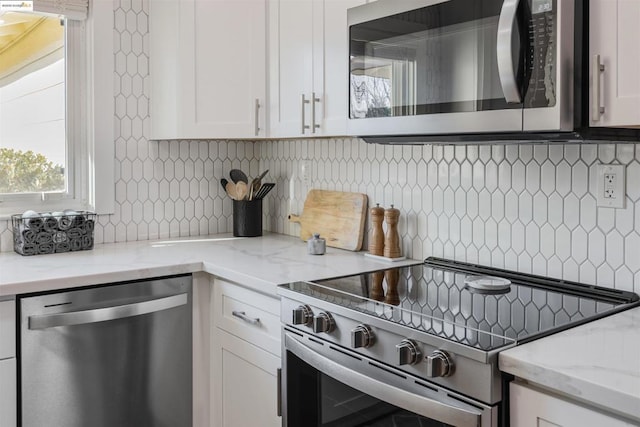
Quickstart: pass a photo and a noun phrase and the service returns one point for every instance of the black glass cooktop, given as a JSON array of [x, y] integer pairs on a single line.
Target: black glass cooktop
[[481, 307]]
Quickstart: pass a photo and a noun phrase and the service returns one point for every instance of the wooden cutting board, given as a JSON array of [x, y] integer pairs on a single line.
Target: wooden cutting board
[[338, 216]]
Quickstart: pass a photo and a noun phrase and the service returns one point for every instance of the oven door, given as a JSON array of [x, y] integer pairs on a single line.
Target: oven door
[[434, 67], [326, 385]]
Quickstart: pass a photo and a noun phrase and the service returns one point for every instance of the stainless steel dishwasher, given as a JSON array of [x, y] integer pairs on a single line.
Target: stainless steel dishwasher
[[106, 356]]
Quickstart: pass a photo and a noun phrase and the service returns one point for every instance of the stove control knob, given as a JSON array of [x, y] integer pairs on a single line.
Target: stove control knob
[[323, 322], [362, 336], [302, 315], [439, 364], [408, 352]]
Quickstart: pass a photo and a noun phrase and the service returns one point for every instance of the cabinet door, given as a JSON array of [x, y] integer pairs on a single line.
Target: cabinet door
[[331, 65], [245, 383], [613, 35], [291, 65], [8, 391], [7, 329], [208, 69], [309, 57], [532, 408]]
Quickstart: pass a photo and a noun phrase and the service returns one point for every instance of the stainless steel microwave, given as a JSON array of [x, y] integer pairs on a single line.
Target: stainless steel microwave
[[466, 70]]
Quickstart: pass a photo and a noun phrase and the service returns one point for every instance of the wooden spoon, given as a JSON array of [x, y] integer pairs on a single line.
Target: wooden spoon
[[231, 190], [241, 190]]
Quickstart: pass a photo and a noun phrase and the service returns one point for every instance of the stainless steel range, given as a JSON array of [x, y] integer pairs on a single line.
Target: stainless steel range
[[419, 345]]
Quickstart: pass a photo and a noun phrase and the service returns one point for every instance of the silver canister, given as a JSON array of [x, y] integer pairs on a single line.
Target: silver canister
[[316, 245]]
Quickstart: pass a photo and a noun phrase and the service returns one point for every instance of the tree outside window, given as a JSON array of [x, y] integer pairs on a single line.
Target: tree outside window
[[33, 149]]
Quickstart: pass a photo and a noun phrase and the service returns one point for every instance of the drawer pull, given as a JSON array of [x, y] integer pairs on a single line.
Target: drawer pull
[[242, 315]]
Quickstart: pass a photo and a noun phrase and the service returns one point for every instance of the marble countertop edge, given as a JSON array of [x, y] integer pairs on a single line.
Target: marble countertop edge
[[260, 263], [597, 364], [588, 393]]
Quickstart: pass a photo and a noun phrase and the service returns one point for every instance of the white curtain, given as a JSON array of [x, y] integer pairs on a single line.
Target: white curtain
[[71, 9]]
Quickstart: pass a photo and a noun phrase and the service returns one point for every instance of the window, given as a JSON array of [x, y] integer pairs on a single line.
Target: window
[[55, 120]]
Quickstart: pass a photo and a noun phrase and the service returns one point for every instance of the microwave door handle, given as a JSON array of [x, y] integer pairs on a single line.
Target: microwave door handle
[[504, 52], [421, 405], [81, 317]]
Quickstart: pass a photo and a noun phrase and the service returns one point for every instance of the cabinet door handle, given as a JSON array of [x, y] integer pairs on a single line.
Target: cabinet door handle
[[304, 101], [598, 69], [242, 315], [314, 126], [257, 117]]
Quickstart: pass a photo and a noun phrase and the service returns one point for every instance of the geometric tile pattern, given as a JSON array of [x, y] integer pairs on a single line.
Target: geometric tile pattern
[[530, 208], [162, 188]]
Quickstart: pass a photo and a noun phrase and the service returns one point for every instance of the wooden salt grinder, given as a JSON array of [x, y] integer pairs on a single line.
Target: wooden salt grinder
[[377, 291], [392, 239], [376, 238]]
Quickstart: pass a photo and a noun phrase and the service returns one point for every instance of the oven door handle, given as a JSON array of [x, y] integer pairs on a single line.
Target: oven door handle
[[443, 412], [504, 51]]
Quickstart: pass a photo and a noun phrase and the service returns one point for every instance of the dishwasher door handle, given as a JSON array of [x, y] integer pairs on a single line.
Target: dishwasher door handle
[[71, 318]]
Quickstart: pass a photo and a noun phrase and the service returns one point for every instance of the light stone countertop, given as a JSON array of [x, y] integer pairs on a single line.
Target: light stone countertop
[[260, 263], [597, 363]]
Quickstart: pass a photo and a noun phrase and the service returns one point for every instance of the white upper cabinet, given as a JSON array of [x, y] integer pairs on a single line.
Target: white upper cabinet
[[208, 69], [290, 64], [308, 67], [615, 81]]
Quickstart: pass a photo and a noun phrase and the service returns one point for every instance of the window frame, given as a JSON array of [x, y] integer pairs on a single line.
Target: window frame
[[88, 119]]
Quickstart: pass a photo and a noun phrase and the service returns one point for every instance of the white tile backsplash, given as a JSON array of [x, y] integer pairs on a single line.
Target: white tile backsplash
[[162, 189], [530, 208]]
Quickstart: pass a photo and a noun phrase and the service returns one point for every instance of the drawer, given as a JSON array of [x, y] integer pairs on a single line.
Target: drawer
[[7, 329], [247, 314]]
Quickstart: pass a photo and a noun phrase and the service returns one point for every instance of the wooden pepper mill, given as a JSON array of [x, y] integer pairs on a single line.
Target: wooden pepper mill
[[392, 239], [376, 238], [377, 291], [392, 277]]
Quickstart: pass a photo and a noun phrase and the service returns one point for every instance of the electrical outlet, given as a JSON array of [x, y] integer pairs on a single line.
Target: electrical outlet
[[611, 186], [305, 171]]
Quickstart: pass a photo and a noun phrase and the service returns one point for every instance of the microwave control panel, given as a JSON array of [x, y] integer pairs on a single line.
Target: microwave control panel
[[541, 58]]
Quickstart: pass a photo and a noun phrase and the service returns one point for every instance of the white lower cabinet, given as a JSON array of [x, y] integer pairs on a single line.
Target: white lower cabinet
[[246, 384], [8, 390], [7, 329], [530, 407], [245, 352], [8, 379]]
